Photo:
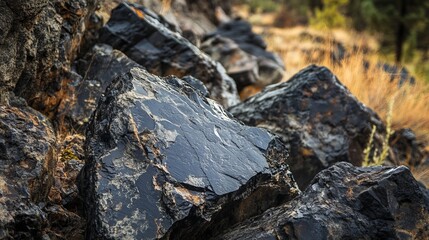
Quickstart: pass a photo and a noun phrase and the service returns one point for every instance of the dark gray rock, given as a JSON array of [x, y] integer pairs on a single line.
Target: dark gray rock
[[244, 54], [406, 149], [38, 41], [146, 38], [347, 202], [400, 74], [319, 119], [159, 152], [27, 160], [95, 72]]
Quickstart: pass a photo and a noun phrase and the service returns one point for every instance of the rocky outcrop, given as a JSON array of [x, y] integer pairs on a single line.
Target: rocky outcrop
[[158, 152], [147, 39], [95, 72], [346, 202], [27, 160], [38, 41], [244, 54], [317, 117]]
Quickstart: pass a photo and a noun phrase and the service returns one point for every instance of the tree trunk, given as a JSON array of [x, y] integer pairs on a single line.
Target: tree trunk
[[400, 36]]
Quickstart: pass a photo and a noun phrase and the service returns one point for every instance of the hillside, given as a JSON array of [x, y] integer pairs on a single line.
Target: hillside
[[179, 120]]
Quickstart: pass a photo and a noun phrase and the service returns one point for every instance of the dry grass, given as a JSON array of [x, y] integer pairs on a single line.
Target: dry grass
[[371, 86]]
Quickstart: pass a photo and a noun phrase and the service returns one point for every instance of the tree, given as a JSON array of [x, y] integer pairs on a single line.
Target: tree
[[399, 21], [330, 15]]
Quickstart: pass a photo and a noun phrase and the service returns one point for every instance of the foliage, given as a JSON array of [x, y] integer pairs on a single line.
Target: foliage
[[379, 156], [330, 15], [403, 23], [264, 5]]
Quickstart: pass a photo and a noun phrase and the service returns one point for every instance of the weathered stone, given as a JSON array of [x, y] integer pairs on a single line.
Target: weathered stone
[[38, 40], [95, 71], [400, 74], [147, 39], [70, 162], [346, 202], [244, 54], [27, 160], [159, 152], [406, 149], [317, 117]]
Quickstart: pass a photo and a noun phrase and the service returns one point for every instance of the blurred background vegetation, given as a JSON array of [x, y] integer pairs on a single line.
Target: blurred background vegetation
[[400, 26]]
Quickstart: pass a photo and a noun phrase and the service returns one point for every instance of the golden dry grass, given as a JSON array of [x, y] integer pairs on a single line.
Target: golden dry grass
[[371, 86]]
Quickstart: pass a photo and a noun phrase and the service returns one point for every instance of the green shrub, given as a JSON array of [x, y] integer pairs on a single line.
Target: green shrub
[[330, 16]]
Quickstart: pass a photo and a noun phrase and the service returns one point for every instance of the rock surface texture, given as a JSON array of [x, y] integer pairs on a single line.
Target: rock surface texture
[[244, 54], [27, 162], [38, 41], [159, 153], [147, 39], [317, 117], [346, 202], [95, 72]]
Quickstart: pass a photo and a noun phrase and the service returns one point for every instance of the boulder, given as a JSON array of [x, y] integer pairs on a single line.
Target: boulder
[[406, 149], [27, 160], [317, 117], [147, 39], [159, 152], [347, 202], [38, 41], [94, 73], [244, 54]]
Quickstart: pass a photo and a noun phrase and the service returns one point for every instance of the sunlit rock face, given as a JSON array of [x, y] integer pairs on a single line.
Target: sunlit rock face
[[148, 39], [27, 160], [347, 202], [159, 152], [38, 41], [244, 54], [318, 118]]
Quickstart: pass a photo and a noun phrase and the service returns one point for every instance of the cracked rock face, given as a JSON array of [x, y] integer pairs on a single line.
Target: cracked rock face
[[244, 55], [159, 153], [95, 71], [318, 118], [27, 159], [146, 38], [38, 40], [347, 202]]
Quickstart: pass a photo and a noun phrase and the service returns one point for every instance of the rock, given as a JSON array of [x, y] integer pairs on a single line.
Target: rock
[[337, 51], [71, 159], [147, 39], [38, 41], [346, 202], [400, 74], [406, 149], [317, 117], [244, 54], [27, 160], [158, 152], [95, 72]]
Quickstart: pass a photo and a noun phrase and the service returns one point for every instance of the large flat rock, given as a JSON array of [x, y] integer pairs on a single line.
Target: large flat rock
[[160, 153]]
